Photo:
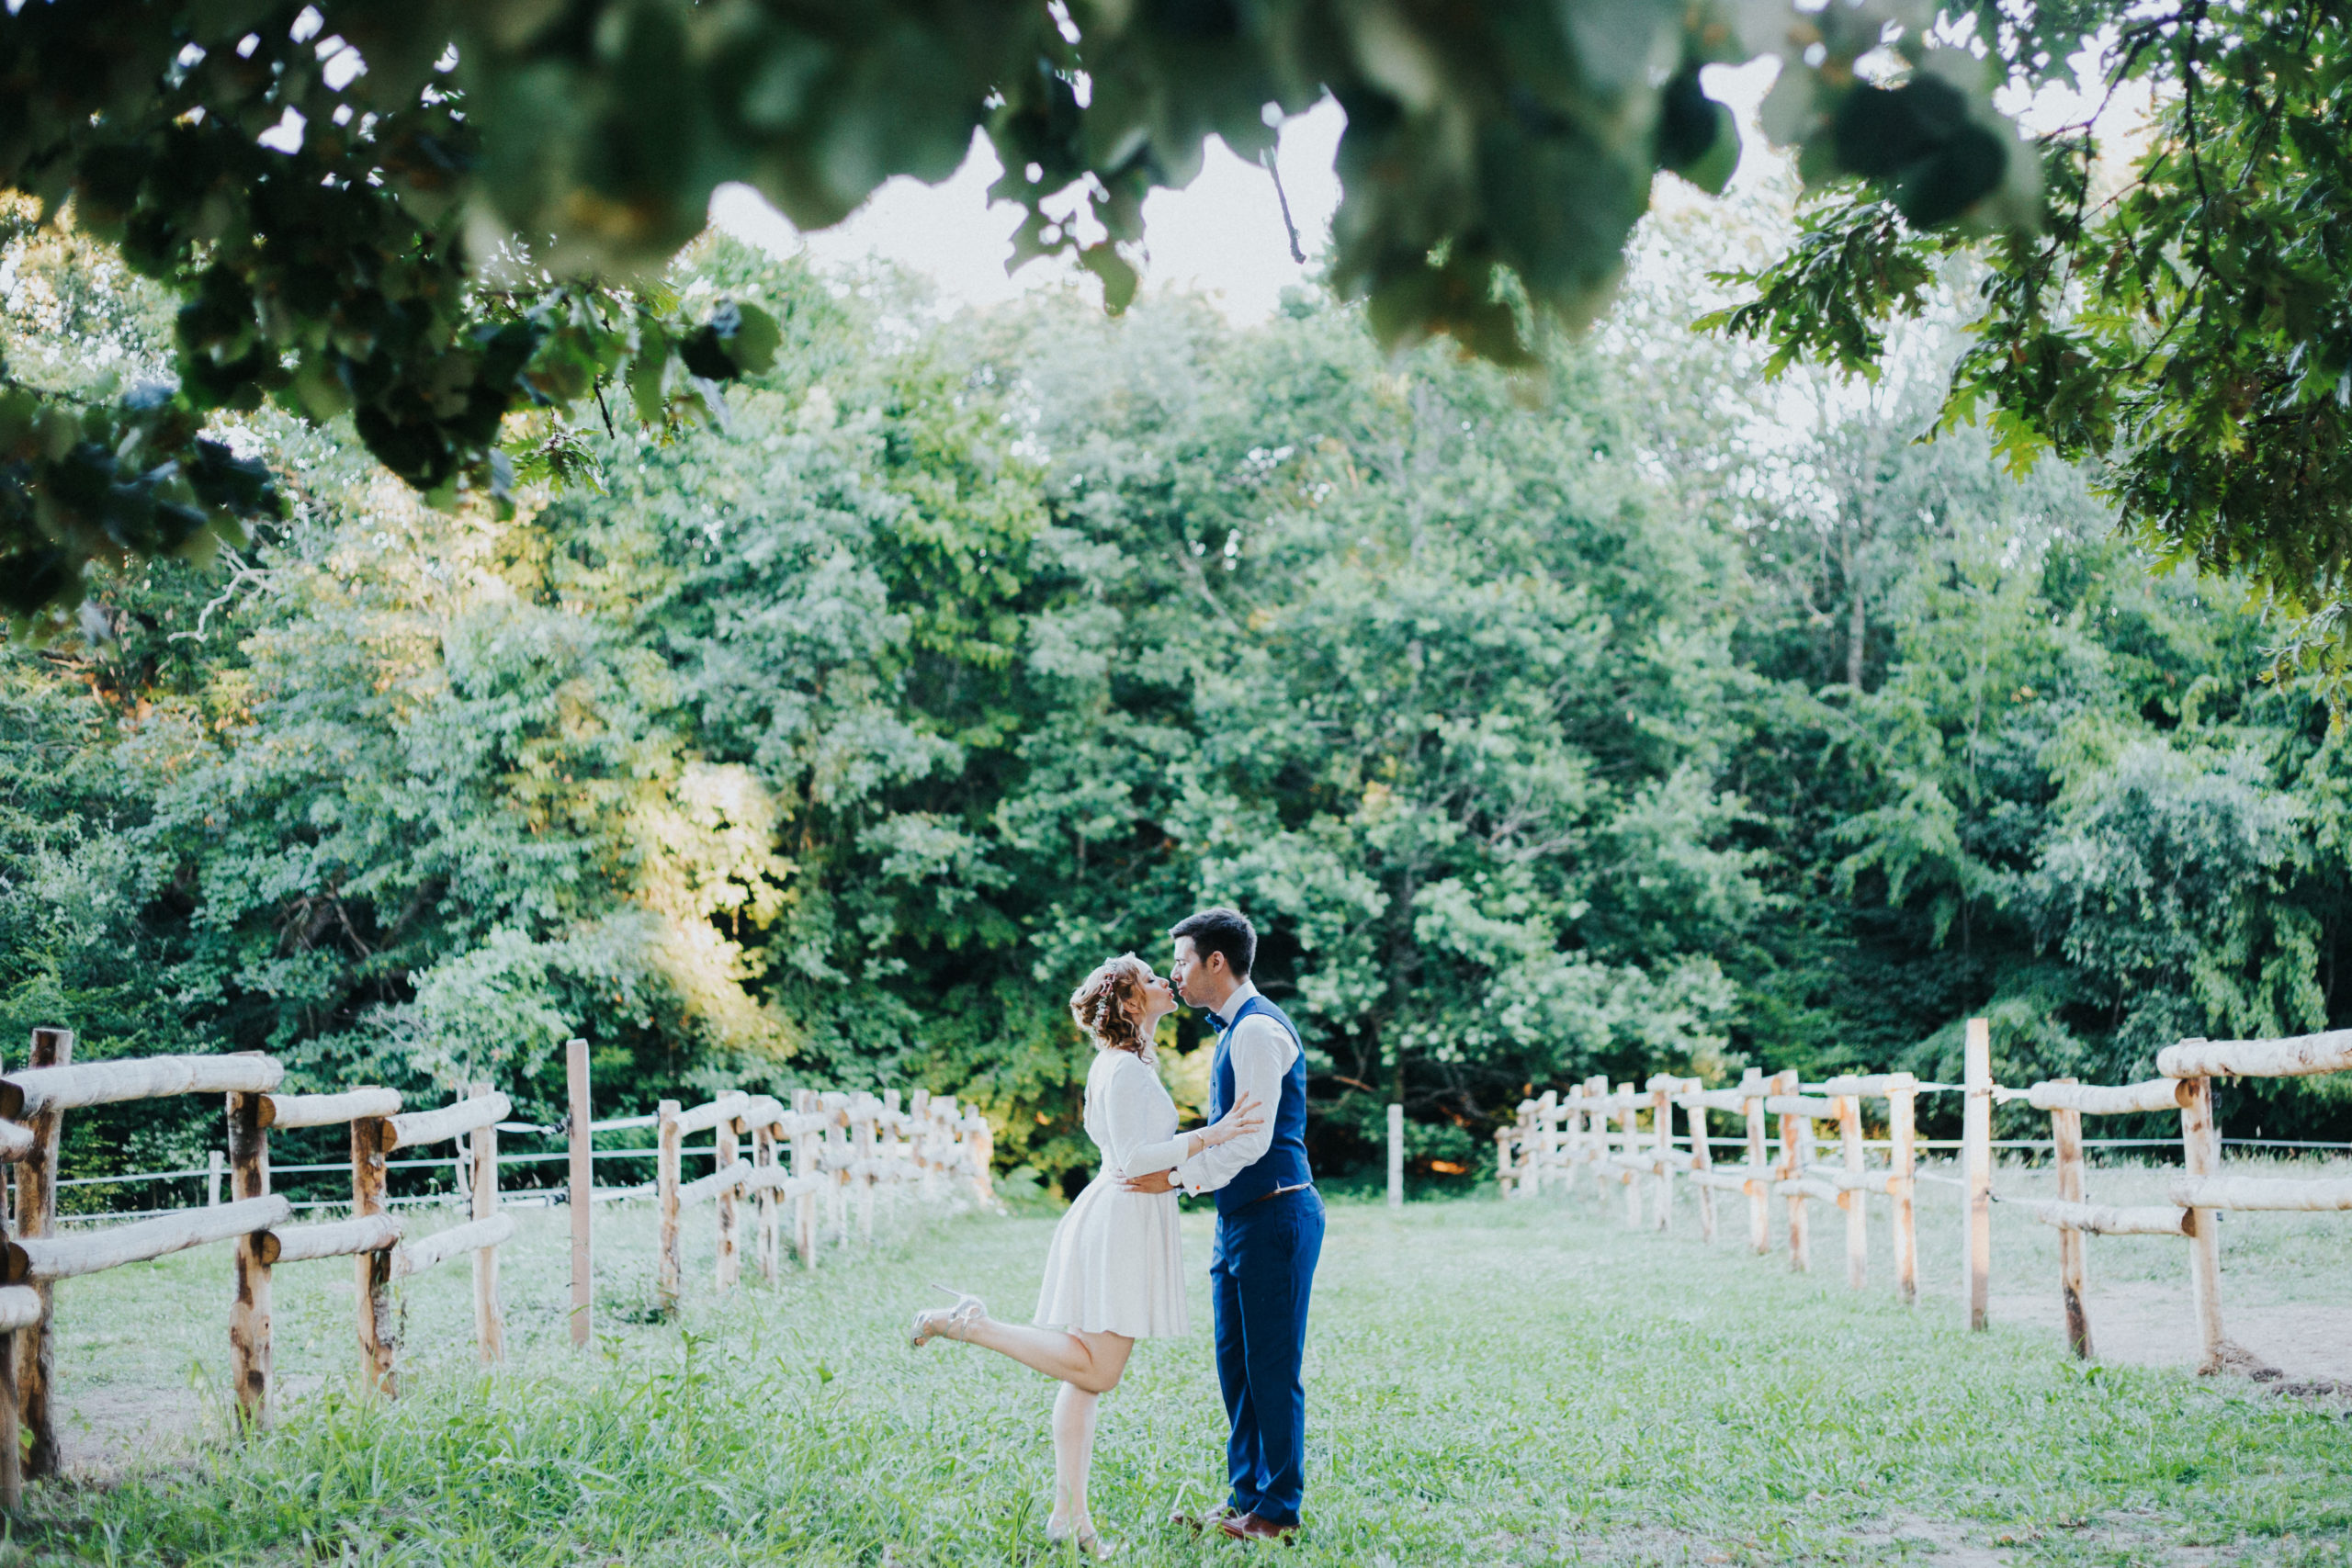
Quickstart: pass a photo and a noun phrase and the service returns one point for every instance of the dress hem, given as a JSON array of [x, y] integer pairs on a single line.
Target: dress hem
[[1079, 1328]]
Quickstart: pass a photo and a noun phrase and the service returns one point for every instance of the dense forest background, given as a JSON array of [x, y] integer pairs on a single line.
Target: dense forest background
[[1630, 716]]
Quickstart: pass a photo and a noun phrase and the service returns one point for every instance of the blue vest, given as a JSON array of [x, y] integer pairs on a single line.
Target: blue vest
[[1285, 1161]]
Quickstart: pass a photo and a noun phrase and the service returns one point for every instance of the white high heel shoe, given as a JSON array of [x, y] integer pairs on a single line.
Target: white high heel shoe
[[933, 1322], [1084, 1538]]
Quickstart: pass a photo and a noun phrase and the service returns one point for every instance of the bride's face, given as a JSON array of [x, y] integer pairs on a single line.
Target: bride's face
[[1158, 1001]]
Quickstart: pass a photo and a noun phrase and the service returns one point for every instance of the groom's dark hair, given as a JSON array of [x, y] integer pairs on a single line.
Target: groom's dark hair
[[1221, 930]]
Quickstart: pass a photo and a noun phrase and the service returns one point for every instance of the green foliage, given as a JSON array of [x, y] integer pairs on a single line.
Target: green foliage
[[415, 213], [834, 741], [2178, 317]]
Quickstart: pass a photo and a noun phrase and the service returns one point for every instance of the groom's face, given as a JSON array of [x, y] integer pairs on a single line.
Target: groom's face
[[1191, 976]]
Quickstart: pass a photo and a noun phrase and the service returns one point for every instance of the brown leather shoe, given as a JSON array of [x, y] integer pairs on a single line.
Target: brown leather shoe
[[1249, 1527]]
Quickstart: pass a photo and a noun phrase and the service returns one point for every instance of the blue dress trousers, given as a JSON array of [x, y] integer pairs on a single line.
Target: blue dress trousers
[[1260, 1278]]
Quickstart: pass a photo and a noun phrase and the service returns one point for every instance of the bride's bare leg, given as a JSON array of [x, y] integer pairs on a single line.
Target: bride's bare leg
[[1074, 1411], [1091, 1362]]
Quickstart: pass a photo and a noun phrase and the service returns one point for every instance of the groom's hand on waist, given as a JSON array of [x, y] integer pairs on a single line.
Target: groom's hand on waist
[[1158, 1181]]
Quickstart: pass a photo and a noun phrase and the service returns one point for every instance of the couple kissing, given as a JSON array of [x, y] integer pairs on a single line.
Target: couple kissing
[[1114, 1271]]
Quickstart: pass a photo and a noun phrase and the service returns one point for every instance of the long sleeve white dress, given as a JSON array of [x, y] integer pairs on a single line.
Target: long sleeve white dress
[[1116, 1264]]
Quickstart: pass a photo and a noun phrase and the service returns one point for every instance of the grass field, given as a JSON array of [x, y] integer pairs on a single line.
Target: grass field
[[1489, 1385]]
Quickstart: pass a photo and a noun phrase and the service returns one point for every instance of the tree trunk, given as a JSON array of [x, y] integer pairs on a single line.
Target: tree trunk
[[1857, 617]]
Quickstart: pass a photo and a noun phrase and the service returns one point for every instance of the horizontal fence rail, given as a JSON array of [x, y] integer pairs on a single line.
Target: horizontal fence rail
[[1627, 1138], [825, 1149]]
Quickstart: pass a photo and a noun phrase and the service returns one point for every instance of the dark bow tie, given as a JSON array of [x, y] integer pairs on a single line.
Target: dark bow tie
[[1219, 1024]]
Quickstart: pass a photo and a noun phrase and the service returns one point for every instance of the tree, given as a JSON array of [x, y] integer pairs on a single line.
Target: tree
[[2178, 316], [427, 213], [836, 744]]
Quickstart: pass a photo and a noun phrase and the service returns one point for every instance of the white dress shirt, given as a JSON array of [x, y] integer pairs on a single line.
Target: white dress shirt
[[1262, 1052]]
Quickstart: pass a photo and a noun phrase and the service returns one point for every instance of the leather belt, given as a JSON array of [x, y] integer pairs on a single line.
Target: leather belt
[[1295, 1187]]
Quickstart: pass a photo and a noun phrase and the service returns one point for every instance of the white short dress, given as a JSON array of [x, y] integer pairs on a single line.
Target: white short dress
[[1116, 1264]]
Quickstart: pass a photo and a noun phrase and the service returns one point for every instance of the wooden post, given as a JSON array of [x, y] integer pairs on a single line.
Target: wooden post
[[2200, 1151], [927, 1149], [249, 1312], [1546, 1148], [1596, 1087], [668, 1269], [489, 1317], [730, 1267], [2067, 1140], [12, 1451], [1760, 1213], [804, 1170], [1976, 1136], [982, 1145], [1589, 1138], [36, 1216], [215, 1165], [1902, 1116], [890, 1147], [1511, 1145], [1575, 1137], [837, 1160], [1854, 1200], [379, 1333], [764, 1206], [581, 1145], [1629, 1139], [1703, 1158], [1502, 1161], [863, 1146], [1796, 1146], [1662, 1143], [1395, 1157], [1572, 1136]]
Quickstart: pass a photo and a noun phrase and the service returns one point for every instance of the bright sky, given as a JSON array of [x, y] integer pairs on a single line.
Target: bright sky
[[1221, 237]]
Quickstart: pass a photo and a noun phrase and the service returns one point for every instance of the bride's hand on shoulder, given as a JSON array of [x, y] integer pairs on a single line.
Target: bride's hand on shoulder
[[1246, 1116]]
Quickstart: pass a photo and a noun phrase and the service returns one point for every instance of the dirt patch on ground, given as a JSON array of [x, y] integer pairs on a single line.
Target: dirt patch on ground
[[105, 1433], [2122, 1537], [1894, 1538], [2300, 1346], [1950, 1543]]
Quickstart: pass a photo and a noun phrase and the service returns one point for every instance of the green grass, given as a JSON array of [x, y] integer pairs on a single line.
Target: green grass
[[1488, 1385]]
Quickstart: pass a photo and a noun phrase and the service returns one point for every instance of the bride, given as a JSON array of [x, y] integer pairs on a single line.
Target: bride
[[1115, 1272]]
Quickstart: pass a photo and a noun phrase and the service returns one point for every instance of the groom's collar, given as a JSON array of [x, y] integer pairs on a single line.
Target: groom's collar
[[1221, 1021]]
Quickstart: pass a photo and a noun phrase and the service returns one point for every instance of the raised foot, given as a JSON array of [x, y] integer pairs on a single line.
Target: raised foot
[[951, 1323]]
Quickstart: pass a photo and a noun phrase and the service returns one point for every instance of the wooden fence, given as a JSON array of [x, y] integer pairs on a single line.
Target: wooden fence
[[829, 1146], [1627, 1138]]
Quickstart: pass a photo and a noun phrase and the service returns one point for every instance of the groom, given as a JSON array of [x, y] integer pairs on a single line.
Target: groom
[[1269, 1224]]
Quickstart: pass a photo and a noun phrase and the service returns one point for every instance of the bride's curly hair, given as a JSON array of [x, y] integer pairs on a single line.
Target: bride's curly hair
[[1106, 1002]]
